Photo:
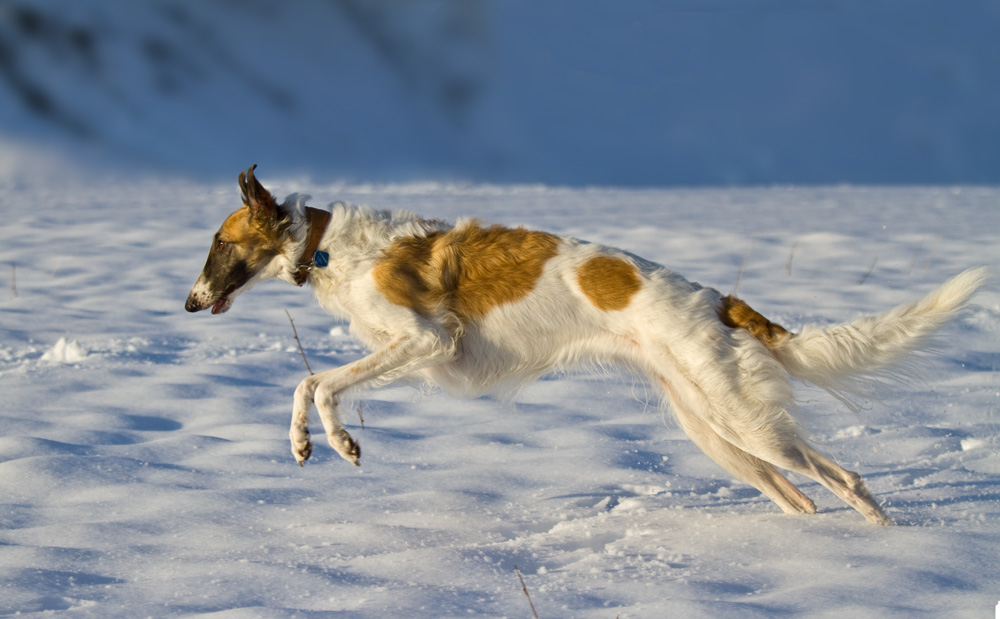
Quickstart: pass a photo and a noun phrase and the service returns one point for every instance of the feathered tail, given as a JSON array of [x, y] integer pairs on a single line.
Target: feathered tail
[[851, 358]]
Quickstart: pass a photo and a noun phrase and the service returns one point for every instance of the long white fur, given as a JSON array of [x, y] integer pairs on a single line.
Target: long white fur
[[729, 392], [848, 359]]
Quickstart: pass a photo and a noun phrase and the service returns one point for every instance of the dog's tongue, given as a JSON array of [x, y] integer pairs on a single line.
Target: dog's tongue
[[219, 306]]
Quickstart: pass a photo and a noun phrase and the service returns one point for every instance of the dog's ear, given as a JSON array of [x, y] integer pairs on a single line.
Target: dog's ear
[[261, 203]]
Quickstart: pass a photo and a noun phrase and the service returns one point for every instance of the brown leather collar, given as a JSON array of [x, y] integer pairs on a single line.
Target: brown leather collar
[[316, 221]]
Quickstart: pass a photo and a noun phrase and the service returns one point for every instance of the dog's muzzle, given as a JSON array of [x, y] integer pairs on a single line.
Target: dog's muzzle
[[203, 297], [194, 305], [219, 306]]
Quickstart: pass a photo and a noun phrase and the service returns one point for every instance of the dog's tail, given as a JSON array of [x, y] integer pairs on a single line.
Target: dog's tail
[[853, 358]]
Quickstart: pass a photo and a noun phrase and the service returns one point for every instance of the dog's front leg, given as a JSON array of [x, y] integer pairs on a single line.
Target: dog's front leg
[[326, 401], [400, 357], [299, 433]]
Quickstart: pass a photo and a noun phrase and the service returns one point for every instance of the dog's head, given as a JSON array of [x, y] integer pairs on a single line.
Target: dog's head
[[242, 249]]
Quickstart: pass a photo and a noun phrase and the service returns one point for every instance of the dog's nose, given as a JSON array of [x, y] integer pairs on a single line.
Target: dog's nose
[[192, 305]]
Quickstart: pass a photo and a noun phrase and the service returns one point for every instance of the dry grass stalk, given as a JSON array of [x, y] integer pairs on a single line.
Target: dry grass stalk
[[746, 258], [869, 271], [299, 342], [524, 588]]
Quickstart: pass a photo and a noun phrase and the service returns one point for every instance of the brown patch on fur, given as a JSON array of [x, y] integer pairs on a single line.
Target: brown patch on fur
[[254, 243], [609, 283], [468, 270], [735, 313]]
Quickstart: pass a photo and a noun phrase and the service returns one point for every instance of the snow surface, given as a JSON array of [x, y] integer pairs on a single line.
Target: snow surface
[[145, 467]]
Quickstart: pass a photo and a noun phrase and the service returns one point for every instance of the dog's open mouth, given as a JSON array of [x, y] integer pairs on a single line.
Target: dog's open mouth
[[222, 304], [219, 306]]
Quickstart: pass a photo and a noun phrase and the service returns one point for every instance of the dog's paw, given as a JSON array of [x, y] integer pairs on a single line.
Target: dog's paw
[[347, 447], [877, 516], [302, 449]]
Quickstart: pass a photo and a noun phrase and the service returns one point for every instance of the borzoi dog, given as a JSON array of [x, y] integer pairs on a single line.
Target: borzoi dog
[[474, 309]]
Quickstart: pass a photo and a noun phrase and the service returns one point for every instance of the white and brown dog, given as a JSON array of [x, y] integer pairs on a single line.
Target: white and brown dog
[[474, 309]]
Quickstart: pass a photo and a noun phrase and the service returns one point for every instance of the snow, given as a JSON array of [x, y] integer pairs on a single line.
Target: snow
[[145, 467]]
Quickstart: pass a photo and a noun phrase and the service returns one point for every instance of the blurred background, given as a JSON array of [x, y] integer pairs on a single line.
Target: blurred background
[[574, 92]]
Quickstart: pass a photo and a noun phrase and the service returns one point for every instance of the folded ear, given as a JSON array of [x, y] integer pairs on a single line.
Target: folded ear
[[261, 203]]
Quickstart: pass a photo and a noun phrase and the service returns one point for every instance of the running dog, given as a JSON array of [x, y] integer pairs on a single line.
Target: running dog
[[476, 308]]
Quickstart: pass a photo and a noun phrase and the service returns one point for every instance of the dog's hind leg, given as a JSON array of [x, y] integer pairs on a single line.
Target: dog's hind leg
[[390, 362], [742, 465], [847, 485], [773, 438]]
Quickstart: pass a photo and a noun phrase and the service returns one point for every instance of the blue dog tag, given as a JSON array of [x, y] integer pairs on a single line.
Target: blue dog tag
[[321, 258]]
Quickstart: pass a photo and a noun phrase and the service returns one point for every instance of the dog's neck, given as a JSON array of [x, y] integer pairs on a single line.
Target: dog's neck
[[355, 238], [362, 233], [316, 221]]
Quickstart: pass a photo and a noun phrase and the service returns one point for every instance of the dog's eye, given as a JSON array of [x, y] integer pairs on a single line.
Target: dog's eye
[[220, 244]]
